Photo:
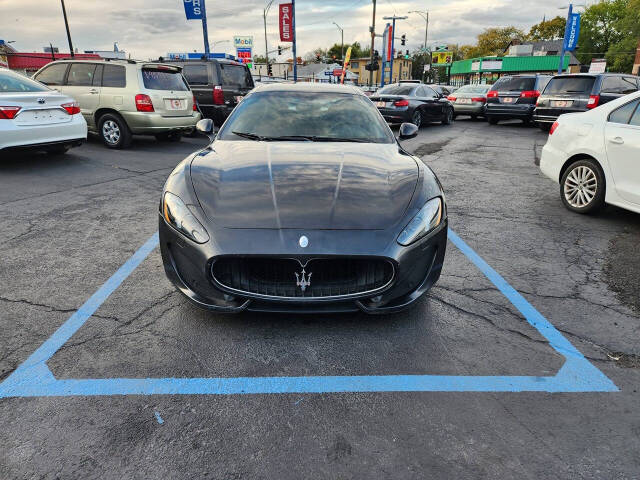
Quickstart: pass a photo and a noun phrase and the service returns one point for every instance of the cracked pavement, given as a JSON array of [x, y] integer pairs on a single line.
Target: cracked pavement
[[67, 223]]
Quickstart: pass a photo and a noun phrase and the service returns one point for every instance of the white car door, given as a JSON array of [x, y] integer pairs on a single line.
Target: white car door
[[622, 142]]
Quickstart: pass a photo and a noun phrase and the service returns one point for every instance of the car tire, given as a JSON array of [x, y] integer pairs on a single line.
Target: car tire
[[447, 117], [416, 118], [169, 137], [582, 186], [492, 120], [473, 117], [114, 131], [58, 149]]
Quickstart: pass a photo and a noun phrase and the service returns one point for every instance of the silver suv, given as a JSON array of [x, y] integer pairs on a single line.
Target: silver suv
[[119, 98]]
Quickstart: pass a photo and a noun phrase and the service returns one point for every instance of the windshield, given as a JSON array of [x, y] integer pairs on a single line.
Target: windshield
[[397, 89], [15, 84], [236, 75], [163, 80], [570, 85], [306, 116], [473, 89], [515, 84]]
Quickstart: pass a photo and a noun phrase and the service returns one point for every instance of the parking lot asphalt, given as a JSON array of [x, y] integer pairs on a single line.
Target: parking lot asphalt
[[68, 223]]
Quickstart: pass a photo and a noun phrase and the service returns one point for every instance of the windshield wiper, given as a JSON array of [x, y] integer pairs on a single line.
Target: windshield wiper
[[250, 136], [297, 138]]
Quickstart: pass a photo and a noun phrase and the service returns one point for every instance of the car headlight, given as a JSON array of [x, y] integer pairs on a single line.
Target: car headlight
[[428, 218], [177, 215]]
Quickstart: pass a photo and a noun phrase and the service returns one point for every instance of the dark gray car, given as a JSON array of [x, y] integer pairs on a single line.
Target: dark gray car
[[417, 104], [217, 84], [514, 96]]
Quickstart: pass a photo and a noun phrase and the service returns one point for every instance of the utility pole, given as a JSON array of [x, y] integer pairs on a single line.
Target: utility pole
[[205, 31], [373, 38], [66, 24], [266, 45], [341, 42], [393, 39], [293, 27]]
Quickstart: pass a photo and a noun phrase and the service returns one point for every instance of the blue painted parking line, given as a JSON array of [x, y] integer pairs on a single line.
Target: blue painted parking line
[[33, 377]]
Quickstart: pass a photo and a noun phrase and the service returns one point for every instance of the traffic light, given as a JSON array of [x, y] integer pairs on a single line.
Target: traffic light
[[403, 40], [318, 57], [279, 50], [269, 69], [406, 56]]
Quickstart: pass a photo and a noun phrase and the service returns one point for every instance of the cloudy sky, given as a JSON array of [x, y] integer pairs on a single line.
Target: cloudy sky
[[150, 28]]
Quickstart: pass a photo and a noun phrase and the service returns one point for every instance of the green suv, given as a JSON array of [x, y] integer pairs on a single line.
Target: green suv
[[121, 98]]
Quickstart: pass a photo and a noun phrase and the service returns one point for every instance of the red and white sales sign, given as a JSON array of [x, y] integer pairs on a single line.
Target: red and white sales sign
[[286, 32]]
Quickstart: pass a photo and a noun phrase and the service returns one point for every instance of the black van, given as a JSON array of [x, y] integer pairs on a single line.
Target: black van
[[580, 92], [217, 84], [514, 96]]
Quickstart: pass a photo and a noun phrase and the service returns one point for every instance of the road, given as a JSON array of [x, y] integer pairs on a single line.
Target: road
[[68, 223]]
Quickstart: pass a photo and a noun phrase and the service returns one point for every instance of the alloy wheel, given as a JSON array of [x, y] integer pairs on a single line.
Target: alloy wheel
[[417, 119], [580, 186], [111, 132]]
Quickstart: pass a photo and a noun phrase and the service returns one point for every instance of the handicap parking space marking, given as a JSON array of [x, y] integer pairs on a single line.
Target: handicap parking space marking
[[33, 378]]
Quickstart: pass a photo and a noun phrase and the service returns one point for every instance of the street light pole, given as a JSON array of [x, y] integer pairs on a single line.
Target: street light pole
[[266, 45], [424, 15], [342, 41], [373, 38], [66, 25]]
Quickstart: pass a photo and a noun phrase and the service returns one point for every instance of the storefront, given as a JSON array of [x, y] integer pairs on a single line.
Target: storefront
[[489, 69]]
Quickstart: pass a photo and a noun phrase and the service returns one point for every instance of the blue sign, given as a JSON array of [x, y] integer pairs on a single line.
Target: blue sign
[[193, 9], [572, 32]]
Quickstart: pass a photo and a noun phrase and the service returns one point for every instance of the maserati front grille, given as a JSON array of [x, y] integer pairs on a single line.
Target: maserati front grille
[[319, 278]]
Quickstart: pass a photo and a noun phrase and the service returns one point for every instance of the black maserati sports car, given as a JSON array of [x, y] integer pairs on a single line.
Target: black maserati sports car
[[303, 202]]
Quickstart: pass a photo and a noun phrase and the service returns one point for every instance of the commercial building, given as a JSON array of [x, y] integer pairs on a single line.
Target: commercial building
[[520, 58], [401, 70]]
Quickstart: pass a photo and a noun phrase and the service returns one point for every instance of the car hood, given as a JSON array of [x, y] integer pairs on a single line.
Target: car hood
[[304, 185]]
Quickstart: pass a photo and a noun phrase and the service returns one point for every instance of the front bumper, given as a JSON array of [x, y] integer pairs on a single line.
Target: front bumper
[[152, 123], [187, 265]]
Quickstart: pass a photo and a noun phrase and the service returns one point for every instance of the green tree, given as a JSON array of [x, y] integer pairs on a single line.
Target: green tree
[[600, 28], [356, 50], [548, 30], [493, 41], [620, 55]]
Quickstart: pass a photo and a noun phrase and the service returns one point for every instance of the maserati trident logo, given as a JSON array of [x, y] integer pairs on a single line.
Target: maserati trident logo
[[303, 282], [41, 100]]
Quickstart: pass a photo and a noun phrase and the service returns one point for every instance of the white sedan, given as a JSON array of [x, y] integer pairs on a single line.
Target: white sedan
[[595, 156], [34, 116]]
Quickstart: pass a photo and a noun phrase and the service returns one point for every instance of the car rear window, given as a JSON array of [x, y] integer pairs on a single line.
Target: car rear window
[[570, 85], [515, 84], [236, 75], [114, 76], [473, 89], [397, 90], [16, 84], [155, 79]]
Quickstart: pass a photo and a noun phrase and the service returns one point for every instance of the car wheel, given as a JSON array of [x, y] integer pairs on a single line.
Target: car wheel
[[169, 137], [447, 119], [582, 187], [492, 120], [114, 131], [416, 118], [473, 117], [57, 149]]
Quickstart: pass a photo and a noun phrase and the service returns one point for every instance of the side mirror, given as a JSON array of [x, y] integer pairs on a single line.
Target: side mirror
[[206, 127], [408, 130]]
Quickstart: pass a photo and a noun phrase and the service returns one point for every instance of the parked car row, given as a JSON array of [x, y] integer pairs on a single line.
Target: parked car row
[[541, 99], [117, 99]]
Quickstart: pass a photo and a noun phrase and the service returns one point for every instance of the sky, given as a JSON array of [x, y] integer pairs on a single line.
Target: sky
[[149, 29]]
